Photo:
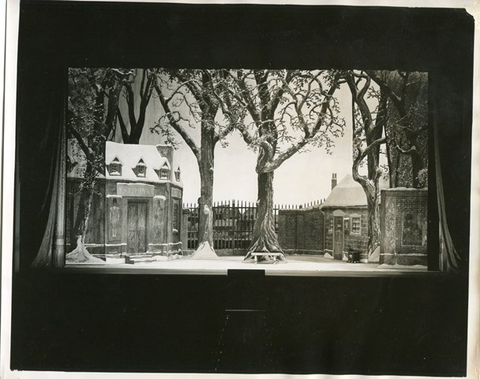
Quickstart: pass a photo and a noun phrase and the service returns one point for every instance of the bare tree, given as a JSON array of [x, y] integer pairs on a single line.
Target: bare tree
[[407, 127], [93, 97], [192, 101], [288, 110], [368, 135], [137, 92]]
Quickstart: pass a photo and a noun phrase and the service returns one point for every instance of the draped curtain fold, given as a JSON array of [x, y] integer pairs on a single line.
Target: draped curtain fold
[[450, 260], [52, 249]]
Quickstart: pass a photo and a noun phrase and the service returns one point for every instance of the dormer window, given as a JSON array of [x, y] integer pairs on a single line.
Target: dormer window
[[177, 174], [164, 172], [115, 168], [141, 169]]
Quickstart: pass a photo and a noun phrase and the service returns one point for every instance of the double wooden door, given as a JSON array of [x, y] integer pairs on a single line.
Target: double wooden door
[[137, 227]]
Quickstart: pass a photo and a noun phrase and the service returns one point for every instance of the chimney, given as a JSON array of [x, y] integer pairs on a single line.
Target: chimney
[[334, 180], [166, 151]]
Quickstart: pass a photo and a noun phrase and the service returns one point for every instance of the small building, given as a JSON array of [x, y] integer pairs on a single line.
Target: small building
[[340, 224], [137, 204], [345, 218], [333, 227]]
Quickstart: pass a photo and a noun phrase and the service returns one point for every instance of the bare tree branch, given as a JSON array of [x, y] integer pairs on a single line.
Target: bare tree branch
[[275, 163], [178, 128], [398, 101], [123, 126], [90, 155], [364, 152], [246, 96], [130, 104]]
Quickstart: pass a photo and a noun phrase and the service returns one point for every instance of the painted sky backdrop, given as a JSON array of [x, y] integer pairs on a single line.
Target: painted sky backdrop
[[304, 177]]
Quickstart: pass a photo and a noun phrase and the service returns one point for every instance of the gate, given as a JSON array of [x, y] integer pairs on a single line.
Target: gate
[[233, 223]]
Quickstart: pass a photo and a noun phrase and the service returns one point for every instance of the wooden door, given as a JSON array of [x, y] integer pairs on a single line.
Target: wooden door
[[137, 227], [338, 238]]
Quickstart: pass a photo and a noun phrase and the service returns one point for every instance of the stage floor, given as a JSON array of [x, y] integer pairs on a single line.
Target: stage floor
[[296, 265]]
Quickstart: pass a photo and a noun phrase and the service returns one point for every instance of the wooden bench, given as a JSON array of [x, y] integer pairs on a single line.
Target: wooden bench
[[260, 254]]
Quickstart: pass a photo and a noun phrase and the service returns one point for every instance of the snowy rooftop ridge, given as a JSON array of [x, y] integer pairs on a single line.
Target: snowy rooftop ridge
[[133, 155], [130, 155], [348, 193]]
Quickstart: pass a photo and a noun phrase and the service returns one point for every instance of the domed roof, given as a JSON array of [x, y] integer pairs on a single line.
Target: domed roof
[[347, 193]]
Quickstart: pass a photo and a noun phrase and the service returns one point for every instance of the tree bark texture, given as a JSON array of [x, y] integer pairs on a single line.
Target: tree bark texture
[[84, 205], [408, 94], [134, 97], [205, 203], [264, 238], [372, 193], [373, 204], [373, 131]]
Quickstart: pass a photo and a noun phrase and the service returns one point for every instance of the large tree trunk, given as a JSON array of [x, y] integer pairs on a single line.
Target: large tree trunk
[[264, 238], [205, 249], [373, 131], [132, 140], [80, 254], [373, 205], [84, 204], [372, 191]]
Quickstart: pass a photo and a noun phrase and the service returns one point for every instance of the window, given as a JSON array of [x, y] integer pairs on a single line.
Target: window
[[164, 172], [177, 175], [115, 168], [356, 224], [141, 169]]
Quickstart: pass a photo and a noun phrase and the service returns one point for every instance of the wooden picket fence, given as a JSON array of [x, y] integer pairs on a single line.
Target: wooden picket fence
[[233, 222]]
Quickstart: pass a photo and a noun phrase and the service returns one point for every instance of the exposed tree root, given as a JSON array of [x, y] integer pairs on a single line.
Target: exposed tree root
[[204, 252], [81, 255], [270, 252]]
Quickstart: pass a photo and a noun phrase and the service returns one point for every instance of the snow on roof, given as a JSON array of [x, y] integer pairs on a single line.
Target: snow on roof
[[131, 156], [348, 193]]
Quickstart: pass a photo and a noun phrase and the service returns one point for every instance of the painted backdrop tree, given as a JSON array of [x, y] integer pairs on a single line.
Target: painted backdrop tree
[[369, 117], [407, 126], [192, 101], [288, 110], [93, 96], [132, 108]]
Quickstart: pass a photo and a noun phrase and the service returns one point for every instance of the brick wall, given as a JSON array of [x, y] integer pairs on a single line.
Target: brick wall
[[310, 231], [313, 230], [301, 231]]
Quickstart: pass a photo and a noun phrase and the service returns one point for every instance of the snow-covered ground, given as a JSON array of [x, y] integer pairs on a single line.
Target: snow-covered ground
[[296, 265]]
